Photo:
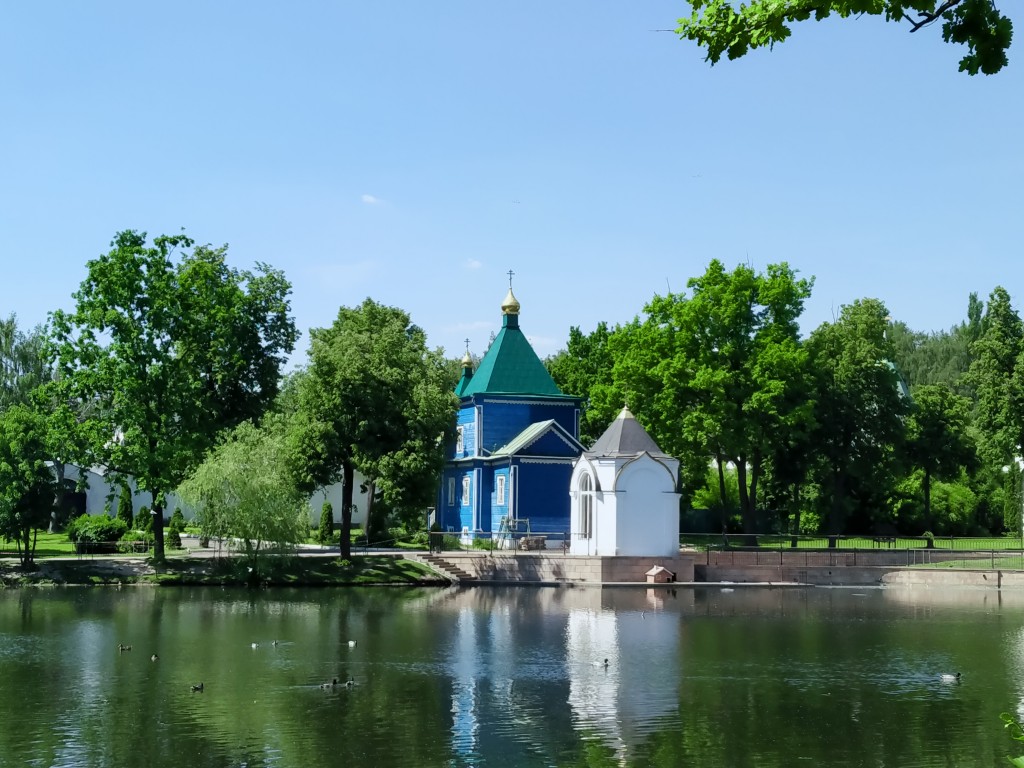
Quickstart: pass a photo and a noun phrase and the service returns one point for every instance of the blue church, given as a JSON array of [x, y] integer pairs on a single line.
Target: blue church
[[517, 437]]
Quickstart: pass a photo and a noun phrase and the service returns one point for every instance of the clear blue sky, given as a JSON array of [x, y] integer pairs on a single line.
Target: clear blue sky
[[414, 152]]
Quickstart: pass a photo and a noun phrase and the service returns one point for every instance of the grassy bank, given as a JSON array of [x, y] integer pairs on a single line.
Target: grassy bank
[[273, 571]]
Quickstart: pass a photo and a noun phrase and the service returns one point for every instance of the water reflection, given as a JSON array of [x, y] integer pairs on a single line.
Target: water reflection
[[510, 676]]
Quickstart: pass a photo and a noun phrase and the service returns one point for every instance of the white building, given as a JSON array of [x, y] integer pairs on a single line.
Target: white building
[[624, 495], [102, 493]]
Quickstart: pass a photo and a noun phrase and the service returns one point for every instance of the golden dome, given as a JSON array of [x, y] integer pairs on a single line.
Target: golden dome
[[467, 361], [510, 306]]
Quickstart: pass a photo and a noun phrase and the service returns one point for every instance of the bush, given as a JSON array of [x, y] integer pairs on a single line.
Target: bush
[[96, 533], [124, 507], [177, 524], [325, 533], [135, 541], [143, 520]]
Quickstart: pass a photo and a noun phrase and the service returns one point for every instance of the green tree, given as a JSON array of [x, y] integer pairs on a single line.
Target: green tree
[[938, 442], [243, 491], [172, 353], [995, 375], [859, 414], [373, 399], [325, 533], [23, 362], [725, 371], [26, 480], [584, 365], [721, 28], [125, 511]]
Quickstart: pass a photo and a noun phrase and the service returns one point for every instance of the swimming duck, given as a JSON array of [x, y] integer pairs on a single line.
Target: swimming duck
[[350, 683], [154, 657], [328, 686], [946, 677], [603, 664], [254, 645], [197, 688], [351, 643], [122, 647]]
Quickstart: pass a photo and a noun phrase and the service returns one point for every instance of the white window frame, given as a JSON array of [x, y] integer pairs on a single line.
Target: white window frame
[[465, 491], [451, 491], [499, 490], [586, 518]]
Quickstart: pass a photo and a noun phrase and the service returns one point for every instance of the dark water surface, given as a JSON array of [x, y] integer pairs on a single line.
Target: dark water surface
[[509, 677]]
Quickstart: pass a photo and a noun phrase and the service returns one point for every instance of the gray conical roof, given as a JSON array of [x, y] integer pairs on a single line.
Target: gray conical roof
[[625, 437]]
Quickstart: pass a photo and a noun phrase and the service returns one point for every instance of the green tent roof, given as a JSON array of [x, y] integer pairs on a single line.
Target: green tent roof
[[511, 367]]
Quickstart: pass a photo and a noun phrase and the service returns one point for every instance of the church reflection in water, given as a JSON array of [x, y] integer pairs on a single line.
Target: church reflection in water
[[532, 664]]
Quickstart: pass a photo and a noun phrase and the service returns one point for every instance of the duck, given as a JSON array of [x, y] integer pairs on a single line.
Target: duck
[[351, 643], [947, 677], [275, 643], [154, 657], [197, 688], [328, 686], [600, 663], [350, 683], [254, 646], [122, 647]]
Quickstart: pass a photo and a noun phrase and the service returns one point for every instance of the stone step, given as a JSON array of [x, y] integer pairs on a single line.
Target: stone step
[[449, 569]]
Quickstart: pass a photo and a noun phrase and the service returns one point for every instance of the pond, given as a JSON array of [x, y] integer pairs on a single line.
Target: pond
[[509, 677]]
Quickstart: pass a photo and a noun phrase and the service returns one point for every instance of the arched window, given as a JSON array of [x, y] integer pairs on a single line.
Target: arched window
[[586, 506]]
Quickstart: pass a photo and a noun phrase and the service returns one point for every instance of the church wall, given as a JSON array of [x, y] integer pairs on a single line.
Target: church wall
[[499, 510], [504, 418], [466, 424], [542, 496]]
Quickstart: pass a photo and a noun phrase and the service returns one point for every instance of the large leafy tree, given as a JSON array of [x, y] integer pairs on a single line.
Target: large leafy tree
[[859, 413], [938, 439], [23, 362], [27, 483], [584, 365], [376, 400], [722, 28], [721, 372], [996, 375], [244, 491], [172, 353]]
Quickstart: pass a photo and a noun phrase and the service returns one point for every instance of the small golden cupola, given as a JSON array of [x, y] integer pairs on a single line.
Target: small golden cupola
[[510, 306]]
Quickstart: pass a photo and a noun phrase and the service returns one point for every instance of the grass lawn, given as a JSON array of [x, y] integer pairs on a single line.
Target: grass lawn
[[231, 571], [47, 545], [856, 542]]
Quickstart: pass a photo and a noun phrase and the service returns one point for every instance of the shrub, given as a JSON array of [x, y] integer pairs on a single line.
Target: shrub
[[135, 540], [124, 506], [96, 533], [144, 520], [177, 524], [325, 533]]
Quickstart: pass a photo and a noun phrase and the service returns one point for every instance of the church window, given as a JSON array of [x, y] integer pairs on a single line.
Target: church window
[[459, 444], [451, 491], [586, 507], [499, 490], [465, 491]]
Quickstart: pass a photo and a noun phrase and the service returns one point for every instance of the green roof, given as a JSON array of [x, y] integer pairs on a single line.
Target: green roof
[[511, 367]]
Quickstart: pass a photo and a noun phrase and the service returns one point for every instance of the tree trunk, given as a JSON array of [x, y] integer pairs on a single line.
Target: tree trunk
[[721, 491], [58, 498], [744, 494], [157, 511], [928, 500], [346, 509], [371, 528]]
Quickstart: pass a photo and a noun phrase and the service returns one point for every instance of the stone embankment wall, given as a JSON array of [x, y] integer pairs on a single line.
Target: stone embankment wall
[[545, 568], [862, 567]]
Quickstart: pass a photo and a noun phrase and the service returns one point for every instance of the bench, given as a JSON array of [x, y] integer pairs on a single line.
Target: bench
[[889, 541], [533, 542]]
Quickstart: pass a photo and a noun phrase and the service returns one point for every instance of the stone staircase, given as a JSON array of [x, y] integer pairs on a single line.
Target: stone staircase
[[446, 568]]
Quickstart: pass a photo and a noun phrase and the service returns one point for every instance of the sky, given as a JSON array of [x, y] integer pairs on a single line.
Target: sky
[[416, 152]]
